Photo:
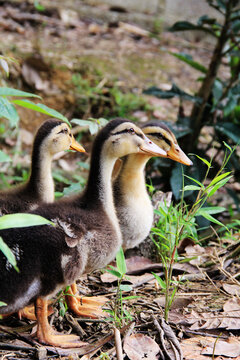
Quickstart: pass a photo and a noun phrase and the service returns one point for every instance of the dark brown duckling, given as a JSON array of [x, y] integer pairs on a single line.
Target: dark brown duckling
[[52, 137], [86, 236]]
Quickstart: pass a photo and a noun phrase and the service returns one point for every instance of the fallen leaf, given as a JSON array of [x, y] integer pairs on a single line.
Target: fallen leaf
[[192, 348], [140, 346], [232, 289], [178, 302], [229, 347]]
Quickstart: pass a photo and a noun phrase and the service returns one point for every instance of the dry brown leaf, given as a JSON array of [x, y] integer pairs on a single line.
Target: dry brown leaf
[[201, 254], [232, 289], [135, 280], [192, 348], [140, 346], [229, 347], [178, 302]]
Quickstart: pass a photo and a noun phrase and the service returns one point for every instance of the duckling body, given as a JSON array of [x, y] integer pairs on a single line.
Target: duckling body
[[87, 235], [133, 205], [52, 137]]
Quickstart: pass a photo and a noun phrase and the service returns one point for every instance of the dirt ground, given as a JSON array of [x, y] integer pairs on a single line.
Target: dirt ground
[[205, 314]]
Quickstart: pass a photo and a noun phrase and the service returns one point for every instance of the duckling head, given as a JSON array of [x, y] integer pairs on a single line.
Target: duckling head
[[166, 140], [123, 137], [55, 136]]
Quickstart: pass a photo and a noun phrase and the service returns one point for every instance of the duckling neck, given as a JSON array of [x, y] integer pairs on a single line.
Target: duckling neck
[[99, 191], [132, 177], [40, 180]]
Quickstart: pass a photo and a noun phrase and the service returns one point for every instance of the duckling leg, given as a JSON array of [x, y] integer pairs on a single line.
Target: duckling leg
[[29, 312], [85, 306], [47, 335]]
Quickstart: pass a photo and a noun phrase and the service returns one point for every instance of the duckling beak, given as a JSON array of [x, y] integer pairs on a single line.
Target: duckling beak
[[175, 153], [152, 149], [76, 146]]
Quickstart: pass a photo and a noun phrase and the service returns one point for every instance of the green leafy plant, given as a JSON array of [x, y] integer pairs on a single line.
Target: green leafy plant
[[217, 102], [178, 222], [119, 314]]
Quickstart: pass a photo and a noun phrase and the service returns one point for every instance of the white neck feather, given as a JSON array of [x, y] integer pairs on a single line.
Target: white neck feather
[[45, 181], [106, 191]]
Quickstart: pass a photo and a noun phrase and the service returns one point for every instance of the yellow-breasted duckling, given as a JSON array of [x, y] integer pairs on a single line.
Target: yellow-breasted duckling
[[132, 202], [52, 137], [86, 237]]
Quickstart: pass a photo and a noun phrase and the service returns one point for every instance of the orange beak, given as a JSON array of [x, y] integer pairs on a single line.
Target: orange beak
[[176, 154], [76, 146]]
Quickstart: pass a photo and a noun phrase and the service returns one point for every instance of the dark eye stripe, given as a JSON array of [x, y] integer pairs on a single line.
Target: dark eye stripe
[[160, 136], [127, 131], [63, 131]]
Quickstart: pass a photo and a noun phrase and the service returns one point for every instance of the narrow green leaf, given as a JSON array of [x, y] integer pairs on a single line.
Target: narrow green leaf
[[210, 210], [188, 60], [195, 180], [22, 220], [92, 125], [227, 146], [8, 253], [192, 187], [125, 287], [6, 91], [42, 109], [217, 179], [218, 185], [211, 218], [4, 157], [121, 263], [203, 160], [114, 272], [160, 281], [8, 111], [2, 304]]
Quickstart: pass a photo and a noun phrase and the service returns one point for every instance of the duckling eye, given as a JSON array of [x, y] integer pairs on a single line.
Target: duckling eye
[[131, 131], [63, 131]]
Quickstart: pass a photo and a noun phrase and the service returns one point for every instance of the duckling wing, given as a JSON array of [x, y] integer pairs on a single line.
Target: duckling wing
[[73, 233]]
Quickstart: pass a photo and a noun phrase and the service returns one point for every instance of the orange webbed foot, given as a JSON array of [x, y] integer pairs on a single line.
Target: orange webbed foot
[[47, 335], [85, 306]]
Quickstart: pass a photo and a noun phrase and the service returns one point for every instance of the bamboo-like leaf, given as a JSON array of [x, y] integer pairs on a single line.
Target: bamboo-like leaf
[[42, 109], [218, 185], [2, 304], [8, 253], [217, 179], [6, 91], [124, 287], [211, 218], [8, 111], [114, 272], [92, 125], [121, 263], [203, 160], [188, 60], [161, 282], [195, 180], [210, 210], [227, 146], [22, 220], [191, 187]]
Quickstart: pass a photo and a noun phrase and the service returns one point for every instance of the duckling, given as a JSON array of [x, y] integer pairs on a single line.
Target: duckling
[[52, 137], [133, 205], [86, 235]]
